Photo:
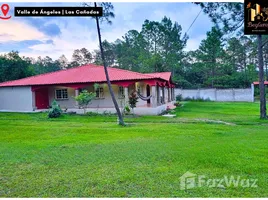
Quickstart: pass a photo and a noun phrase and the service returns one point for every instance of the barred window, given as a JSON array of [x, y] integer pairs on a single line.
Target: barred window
[[121, 92], [61, 94], [100, 92]]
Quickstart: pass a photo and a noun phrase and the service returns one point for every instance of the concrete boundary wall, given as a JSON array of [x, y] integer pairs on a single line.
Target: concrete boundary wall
[[242, 95]]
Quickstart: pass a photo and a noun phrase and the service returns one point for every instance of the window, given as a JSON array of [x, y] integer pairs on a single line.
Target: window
[[100, 93], [61, 94], [121, 92]]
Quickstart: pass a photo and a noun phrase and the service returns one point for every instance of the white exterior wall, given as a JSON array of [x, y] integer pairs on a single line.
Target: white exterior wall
[[65, 103], [96, 103], [243, 95], [105, 102], [15, 99]]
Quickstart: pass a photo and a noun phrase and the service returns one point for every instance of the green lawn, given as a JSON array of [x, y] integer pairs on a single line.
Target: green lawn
[[81, 156]]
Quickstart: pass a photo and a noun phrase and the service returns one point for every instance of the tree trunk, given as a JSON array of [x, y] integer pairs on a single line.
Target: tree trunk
[[261, 80], [266, 68], [120, 117]]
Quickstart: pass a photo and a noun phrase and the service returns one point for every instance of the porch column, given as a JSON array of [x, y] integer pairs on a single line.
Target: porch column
[[163, 94], [169, 99], [252, 92], [154, 96], [158, 95], [173, 94], [76, 94], [126, 95], [33, 98], [166, 94]]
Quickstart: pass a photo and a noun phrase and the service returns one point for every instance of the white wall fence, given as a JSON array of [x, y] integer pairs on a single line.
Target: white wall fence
[[242, 95]]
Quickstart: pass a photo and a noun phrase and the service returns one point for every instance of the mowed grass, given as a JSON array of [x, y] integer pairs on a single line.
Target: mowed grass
[[81, 156]]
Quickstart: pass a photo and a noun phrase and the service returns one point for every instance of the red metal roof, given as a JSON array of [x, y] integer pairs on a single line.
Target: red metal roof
[[257, 83], [84, 74], [162, 75]]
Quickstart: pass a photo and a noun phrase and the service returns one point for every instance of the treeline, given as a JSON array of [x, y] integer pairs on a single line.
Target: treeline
[[159, 46], [13, 66]]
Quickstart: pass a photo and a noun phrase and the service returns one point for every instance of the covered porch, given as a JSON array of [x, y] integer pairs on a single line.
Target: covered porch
[[160, 94]]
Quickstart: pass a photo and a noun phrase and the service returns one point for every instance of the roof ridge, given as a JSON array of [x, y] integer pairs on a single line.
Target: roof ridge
[[131, 72]]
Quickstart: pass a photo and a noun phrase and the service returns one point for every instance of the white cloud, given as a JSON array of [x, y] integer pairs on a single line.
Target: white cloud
[[193, 43], [73, 36], [17, 31]]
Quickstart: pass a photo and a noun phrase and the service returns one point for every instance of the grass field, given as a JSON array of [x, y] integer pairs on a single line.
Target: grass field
[[81, 156]]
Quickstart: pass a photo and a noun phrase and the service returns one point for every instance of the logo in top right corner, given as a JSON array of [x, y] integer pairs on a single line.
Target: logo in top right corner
[[256, 17]]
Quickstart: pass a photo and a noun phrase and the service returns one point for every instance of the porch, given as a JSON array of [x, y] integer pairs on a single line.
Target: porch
[[161, 95]]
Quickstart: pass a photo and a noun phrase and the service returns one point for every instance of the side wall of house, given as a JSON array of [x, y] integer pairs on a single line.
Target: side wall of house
[[16, 99]]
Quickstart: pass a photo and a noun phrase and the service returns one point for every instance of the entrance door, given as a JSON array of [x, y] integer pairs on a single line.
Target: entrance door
[[41, 98], [148, 93]]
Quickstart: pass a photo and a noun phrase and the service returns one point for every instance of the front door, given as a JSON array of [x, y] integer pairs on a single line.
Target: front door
[[41, 98]]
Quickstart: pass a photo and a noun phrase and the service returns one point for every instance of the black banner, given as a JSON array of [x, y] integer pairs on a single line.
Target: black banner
[[58, 11], [256, 17]]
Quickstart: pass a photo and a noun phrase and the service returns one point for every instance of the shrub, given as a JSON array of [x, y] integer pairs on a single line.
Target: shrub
[[93, 114], [107, 113], [172, 112], [55, 110], [132, 100], [126, 109], [84, 98], [188, 99], [196, 99], [179, 97], [177, 104]]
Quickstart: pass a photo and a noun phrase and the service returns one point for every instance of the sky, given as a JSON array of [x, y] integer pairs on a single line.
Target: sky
[[54, 36]]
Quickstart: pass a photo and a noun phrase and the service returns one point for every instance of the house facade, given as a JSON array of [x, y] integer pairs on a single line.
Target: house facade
[[37, 93]]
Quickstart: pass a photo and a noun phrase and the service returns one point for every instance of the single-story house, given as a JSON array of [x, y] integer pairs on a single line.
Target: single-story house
[[36, 93]]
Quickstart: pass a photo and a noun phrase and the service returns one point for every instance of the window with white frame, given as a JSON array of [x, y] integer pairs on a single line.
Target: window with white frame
[[121, 92], [100, 93], [61, 94]]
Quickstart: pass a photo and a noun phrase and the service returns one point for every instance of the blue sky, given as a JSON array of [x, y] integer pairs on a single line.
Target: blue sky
[[54, 36]]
